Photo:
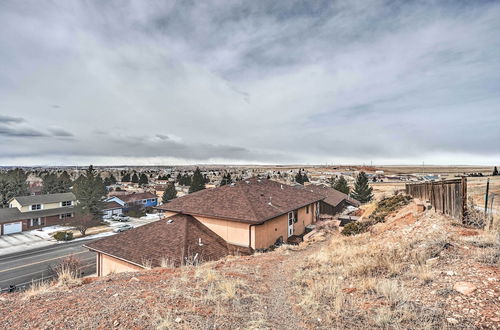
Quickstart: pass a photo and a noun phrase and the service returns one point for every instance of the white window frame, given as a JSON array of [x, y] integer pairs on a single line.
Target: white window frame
[[63, 202], [291, 221], [36, 209]]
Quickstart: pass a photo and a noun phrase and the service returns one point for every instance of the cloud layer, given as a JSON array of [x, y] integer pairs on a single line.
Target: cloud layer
[[249, 81]]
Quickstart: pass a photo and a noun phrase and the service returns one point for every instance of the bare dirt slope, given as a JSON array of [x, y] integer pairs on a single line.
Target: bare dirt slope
[[415, 270]]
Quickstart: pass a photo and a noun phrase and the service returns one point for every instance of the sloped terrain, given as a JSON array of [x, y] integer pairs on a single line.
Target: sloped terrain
[[415, 270]]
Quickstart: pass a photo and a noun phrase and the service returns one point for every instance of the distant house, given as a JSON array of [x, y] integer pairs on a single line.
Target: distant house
[[176, 241], [31, 212], [334, 201], [145, 199], [110, 209], [254, 213]]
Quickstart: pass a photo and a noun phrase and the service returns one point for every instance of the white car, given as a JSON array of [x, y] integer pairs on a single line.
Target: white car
[[121, 218], [121, 228]]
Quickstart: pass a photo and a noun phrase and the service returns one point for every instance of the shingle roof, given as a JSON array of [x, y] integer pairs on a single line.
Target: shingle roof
[[332, 196], [252, 201], [13, 214], [112, 205], [130, 198], [173, 241], [43, 199]]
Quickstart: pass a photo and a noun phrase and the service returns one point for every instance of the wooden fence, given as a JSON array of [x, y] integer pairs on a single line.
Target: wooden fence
[[448, 197]]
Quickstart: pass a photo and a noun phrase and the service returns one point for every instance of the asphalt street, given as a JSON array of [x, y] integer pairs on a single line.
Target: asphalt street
[[22, 268]]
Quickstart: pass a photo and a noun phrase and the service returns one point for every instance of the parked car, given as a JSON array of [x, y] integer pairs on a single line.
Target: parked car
[[121, 218], [122, 228]]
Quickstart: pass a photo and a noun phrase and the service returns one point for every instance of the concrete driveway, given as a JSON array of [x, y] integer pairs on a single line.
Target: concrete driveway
[[20, 241]]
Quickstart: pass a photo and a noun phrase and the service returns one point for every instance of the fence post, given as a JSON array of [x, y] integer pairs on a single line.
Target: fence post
[[464, 198]]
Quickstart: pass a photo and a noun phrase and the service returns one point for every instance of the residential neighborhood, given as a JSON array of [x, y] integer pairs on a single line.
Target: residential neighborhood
[[261, 165]]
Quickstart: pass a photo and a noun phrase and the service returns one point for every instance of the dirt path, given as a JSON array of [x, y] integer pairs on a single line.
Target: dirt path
[[277, 276]]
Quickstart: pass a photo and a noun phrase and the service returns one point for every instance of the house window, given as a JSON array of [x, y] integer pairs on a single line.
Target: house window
[[36, 222], [295, 216], [307, 209], [67, 203], [65, 215], [290, 218], [35, 207]]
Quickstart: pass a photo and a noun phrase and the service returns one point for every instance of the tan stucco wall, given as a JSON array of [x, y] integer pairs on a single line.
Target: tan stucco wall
[[263, 235], [231, 231], [113, 265], [267, 233]]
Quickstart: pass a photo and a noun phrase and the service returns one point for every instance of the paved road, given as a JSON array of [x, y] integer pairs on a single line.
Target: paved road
[[22, 268]]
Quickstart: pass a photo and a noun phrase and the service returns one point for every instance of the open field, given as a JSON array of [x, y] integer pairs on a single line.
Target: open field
[[445, 170]]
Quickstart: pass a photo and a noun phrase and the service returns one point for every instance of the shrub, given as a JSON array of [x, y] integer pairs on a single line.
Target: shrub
[[353, 228], [388, 205], [63, 236]]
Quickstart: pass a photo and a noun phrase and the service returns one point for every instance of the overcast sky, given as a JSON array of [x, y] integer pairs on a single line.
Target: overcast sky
[[182, 82]]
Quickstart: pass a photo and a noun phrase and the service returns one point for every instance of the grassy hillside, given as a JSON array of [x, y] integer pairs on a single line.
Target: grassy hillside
[[412, 271]]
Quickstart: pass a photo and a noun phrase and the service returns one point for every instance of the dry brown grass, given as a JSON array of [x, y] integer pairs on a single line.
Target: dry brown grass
[[67, 278], [221, 296], [365, 268], [37, 288]]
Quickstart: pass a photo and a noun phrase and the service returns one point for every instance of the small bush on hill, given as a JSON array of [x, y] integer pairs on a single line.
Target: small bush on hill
[[353, 228], [63, 236], [388, 205]]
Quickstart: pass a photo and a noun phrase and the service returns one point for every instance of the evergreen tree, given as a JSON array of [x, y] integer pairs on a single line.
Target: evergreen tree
[[66, 181], [12, 184], [299, 178], [143, 180], [169, 193], [197, 181], [226, 179], [178, 179], [90, 192], [135, 178], [304, 177], [126, 177], [495, 171], [341, 185], [112, 179], [362, 191]]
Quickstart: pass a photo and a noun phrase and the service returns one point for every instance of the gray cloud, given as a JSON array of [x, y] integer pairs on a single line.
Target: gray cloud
[[60, 132], [243, 81]]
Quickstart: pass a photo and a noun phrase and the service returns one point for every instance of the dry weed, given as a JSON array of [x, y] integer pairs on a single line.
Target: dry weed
[[36, 288]]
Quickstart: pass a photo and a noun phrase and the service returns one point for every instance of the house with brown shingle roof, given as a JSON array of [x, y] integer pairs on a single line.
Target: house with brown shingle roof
[[176, 241], [254, 213], [334, 201]]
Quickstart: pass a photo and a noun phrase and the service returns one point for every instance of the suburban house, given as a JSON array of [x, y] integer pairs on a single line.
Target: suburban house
[[254, 213], [176, 241], [110, 209], [334, 201], [31, 212], [145, 199]]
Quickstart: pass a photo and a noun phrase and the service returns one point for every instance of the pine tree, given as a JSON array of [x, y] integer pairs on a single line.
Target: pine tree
[[66, 181], [143, 180], [495, 171], [169, 193], [90, 192], [304, 177], [197, 181], [226, 179], [299, 178], [341, 185], [126, 177], [135, 178], [112, 179], [362, 191]]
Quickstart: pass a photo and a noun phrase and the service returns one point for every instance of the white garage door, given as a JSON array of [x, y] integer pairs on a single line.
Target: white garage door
[[11, 228]]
